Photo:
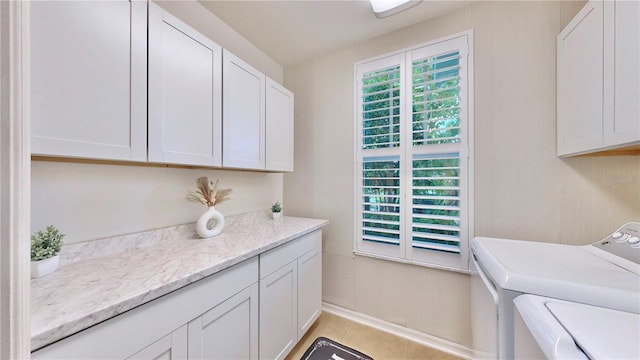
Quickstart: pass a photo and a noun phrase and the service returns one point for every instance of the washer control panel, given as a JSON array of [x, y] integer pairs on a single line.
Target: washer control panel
[[624, 242]]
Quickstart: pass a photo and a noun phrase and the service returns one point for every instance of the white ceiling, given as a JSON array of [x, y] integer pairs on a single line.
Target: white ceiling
[[293, 32]]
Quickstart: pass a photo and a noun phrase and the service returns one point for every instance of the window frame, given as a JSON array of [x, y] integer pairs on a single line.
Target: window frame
[[405, 252]]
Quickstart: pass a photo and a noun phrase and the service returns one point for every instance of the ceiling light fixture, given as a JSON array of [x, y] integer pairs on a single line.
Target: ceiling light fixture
[[384, 8]]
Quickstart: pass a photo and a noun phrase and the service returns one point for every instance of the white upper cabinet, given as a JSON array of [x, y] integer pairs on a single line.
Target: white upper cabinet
[[279, 125], [257, 120], [126, 80], [580, 50], [598, 81], [623, 124], [244, 114], [88, 79], [185, 95]]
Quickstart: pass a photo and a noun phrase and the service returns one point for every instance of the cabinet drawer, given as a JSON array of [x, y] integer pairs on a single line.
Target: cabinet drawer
[[274, 259]]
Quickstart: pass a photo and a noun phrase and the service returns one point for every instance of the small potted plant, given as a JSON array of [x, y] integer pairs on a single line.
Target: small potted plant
[[45, 246], [276, 210]]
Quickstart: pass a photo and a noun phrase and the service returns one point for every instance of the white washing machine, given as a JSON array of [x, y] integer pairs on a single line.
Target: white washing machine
[[604, 274], [546, 328]]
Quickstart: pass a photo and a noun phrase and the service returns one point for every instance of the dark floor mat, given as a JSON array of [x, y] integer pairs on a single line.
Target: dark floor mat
[[327, 349]]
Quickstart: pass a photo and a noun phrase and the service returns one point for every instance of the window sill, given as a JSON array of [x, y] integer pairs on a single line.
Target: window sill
[[412, 262]]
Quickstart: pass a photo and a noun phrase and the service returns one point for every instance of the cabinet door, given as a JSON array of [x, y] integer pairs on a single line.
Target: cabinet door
[[580, 81], [622, 30], [244, 115], [279, 125], [170, 347], [278, 312], [309, 289], [185, 98], [88, 79], [229, 330]]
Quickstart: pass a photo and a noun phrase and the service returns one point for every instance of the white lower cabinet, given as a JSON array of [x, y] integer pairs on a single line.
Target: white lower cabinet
[[170, 347], [259, 308], [290, 293], [309, 289], [174, 325], [228, 331], [278, 315]]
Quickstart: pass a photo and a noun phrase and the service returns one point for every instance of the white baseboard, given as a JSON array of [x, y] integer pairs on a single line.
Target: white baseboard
[[401, 331]]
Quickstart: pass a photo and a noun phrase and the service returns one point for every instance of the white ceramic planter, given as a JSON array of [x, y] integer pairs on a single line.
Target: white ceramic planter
[[276, 215], [202, 226], [44, 267]]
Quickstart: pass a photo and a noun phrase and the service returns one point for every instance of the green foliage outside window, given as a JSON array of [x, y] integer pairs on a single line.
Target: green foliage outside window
[[435, 119], [436, 184], [436, 105], [381, 108], [381, 200]]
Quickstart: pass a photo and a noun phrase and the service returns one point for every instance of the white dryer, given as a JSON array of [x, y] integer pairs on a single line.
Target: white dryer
[[547, 328], [604, 274]]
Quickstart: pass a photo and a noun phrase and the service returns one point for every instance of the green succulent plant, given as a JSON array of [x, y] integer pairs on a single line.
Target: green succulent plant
[[46, 244], [276, 208]]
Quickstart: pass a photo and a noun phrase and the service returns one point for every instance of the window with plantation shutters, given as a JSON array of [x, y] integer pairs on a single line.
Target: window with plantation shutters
[[413, 121]]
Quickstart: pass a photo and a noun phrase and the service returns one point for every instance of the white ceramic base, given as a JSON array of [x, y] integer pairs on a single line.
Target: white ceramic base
[[276, 215], [202, 226], [44, 267]]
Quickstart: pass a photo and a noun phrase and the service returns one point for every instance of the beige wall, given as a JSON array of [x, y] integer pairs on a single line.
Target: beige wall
[[90, 201], [522, 189], [201, 19]]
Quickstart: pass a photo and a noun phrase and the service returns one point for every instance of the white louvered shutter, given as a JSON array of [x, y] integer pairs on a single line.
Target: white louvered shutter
[[436, 202], [381, 108], [436, 99], [413, 177], [439, 154], [379, 84], [381, 200]]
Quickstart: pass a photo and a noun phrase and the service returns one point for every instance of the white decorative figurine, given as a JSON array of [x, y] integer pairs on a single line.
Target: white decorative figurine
[[210, 197]]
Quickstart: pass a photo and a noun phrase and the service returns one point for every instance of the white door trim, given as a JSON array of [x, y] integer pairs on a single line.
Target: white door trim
[[15, 184]]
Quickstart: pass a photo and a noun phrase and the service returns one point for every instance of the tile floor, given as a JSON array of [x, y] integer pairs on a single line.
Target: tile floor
[[375, 343]]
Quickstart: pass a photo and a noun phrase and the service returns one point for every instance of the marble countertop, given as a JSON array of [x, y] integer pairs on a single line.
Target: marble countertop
[[100, 279]]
